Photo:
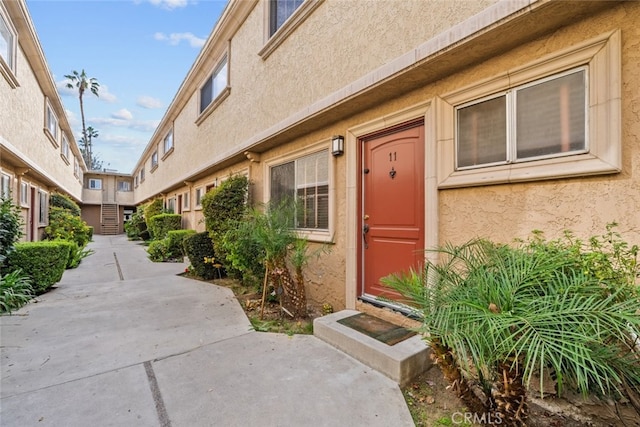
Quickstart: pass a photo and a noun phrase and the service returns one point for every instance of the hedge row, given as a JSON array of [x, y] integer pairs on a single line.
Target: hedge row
[[43, 262]]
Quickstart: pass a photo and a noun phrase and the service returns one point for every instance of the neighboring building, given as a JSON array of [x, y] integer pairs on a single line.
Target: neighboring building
[[459, 119], [38, 153], [456, 120], [107, 201]]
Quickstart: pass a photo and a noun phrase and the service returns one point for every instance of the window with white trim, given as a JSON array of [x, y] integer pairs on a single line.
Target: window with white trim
[[7, 43], [43, 207], [280, 11], [141, 175], [5, 186], [543, 119], [185, 200], [51, 124], [64, 147], [214, 85], [558, 116], [199, 195], [306, 180], [95, 183], [154, 159], [135, 181], [24, 193], [167, 143], [124, 185], [171, 205]]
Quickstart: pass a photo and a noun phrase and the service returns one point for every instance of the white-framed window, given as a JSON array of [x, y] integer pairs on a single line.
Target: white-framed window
[[199, 194], [76, 167], [51, 124], [558, 116], [154, 159], [213, 87], [5, 186], [124, 185], [135, 180], [305, 179], [141, 175], [542, 119], [279, 13], [64, 147], [167, 142], [95, 183], [43, 207], [185, 201], [8, 49], [24, 194], [171, 205]]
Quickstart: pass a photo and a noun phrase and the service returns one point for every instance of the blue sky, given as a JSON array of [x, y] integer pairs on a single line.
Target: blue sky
[[139, 51]]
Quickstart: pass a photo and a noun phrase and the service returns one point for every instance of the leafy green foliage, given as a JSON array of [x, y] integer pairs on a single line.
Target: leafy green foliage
[[175, 240], [152, 209], [43, 262], [15, 291], [158, 250], [10, 226], [160, 225], [199, 247], [136, 227], [562, 307], [170, 248], [63, 201], [63, 225], [223, 208]]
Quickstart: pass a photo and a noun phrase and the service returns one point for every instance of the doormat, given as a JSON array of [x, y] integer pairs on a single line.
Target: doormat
[[379, 329]]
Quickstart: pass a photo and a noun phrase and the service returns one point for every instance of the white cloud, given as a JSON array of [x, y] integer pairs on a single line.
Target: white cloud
[[103, 91], [175, 38], [105, 95], [169, 4], [139, 125], [149, 102], [122, 114]]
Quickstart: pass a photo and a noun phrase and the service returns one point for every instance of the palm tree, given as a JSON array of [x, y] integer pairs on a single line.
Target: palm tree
[[82, 82]]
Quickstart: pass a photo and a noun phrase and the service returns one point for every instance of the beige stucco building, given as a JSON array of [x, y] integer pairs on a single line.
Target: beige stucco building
[[38, 153], [458, 120]]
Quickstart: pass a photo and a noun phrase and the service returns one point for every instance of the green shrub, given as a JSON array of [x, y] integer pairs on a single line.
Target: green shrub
[[160, 225], [158, 250], [501, 317], [199, 247], [90, 229], [152, 209], [66, 226], [62, 201], [223, 208], [10, 226], [15, 291], [43, 262], [175, 239]]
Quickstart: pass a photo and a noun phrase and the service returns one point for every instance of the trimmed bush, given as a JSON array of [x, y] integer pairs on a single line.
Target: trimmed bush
[[43, 262], [199, 247], [90, 228], [66, 226], [61, 201], [10, 226], [158, 250], [160, 225], [175, 239], [152, 209]]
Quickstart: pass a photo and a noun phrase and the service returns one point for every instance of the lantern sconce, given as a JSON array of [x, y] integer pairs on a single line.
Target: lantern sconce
[[337, 145]]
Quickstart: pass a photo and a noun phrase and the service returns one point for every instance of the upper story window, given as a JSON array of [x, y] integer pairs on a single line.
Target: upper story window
[[76, 167], [306, 180], [51, 125], [8, 48], [64, 148], [5, 186], [280, 11], [135, 181], [95, 183], [154, 159], [214, 85], [124, 185], [168, 142], [555, 117], [141, 175], [542, 119]]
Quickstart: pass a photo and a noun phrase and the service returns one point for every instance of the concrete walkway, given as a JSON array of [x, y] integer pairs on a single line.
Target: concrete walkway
[[122, 341]]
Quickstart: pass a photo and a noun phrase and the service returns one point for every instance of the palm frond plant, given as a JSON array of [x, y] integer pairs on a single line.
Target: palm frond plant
[[499, 318]]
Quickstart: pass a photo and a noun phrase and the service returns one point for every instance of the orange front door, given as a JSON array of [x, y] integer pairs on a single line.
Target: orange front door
[[392, 207]]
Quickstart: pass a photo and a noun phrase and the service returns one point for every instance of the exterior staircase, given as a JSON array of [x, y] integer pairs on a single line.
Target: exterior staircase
[[109, 224]]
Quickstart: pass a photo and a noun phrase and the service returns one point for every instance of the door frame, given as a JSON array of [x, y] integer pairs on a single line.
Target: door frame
[[419, 111]]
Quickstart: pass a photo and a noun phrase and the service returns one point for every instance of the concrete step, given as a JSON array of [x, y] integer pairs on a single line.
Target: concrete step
[[401, 362]]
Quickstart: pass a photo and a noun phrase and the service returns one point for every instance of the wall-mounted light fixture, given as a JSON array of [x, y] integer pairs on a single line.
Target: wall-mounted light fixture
[[337, 145]]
